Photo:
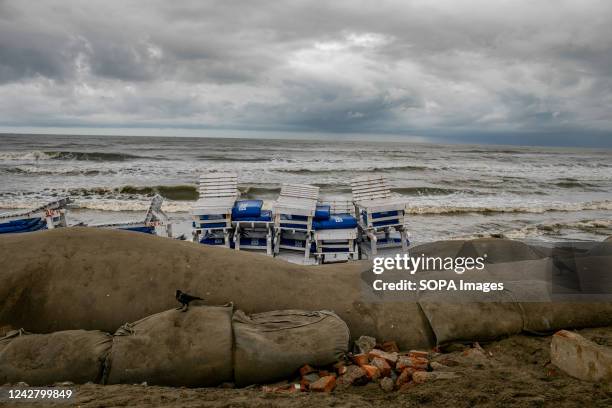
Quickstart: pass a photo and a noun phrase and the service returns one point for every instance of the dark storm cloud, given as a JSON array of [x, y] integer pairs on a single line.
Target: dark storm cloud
[[439, 68]]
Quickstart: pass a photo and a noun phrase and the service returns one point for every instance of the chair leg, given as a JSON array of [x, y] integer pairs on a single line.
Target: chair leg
[[404, 237], [307, 247]]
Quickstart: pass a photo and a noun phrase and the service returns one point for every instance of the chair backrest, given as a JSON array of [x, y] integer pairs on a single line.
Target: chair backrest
[[370, 188], [341, 207], [155, 213], [303, 191], [218, 185]]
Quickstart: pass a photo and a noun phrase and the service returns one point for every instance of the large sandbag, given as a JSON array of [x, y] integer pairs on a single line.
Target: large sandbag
[[94, 278], [545, 309], [543, 317], [274, 345], [496, 250], [174, 348], [471, 316], [43, 359]]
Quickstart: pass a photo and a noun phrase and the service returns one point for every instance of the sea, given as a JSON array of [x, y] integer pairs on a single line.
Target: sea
[[453, 191]]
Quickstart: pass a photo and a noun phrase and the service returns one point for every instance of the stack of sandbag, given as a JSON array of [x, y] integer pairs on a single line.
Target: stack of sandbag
[[274, 345], [175, 348], [41, 359], [196, 348]]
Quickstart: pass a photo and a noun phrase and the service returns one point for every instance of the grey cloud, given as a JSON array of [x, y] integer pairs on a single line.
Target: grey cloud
[[434, 68]]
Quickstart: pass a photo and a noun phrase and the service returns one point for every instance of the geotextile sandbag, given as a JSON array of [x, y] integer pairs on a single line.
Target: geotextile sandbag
[[274, 345], [119, 276], [43, 359], [469, 316], [174, 348]]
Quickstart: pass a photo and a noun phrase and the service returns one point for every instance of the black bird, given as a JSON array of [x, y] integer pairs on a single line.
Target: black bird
[[184, 299]]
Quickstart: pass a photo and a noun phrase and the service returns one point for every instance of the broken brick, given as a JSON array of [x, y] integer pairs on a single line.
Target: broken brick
[[324, 384], [413, 362], [404, 377], [353, 373], [371, 371], [390, 357], [361, 359], [306, 370], [418, 354], [382, 365], [390, 347]]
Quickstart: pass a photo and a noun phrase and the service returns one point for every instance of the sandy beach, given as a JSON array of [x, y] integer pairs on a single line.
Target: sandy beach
[[516, 373]]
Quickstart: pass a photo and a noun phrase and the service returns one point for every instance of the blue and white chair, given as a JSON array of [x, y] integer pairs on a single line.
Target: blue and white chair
[[381, 216], [49, 216], [253, 226], [155, 222], [335, 232], [212, 213], [293, 215]]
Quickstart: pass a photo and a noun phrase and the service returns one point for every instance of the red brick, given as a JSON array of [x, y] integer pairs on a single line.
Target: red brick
[[324, 384], [390, 357], [360, 359], [390, 347], [306, 370], [418, 354], [372, 372], [404, 377], [382, 365], [413, 362], [353, 373]]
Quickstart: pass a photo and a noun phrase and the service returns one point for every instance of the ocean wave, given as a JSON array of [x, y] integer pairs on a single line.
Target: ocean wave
[[37, 155], [535, 209], [368, 169], [171, 192], [423, 191], [24, 170], [259, 191], [232, 158]]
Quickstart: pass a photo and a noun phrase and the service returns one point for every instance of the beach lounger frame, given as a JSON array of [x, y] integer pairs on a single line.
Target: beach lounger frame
[[155, 217], [295, 200], [256, 230], [372, 198], [337, 245], [212, 213], [53, 214]]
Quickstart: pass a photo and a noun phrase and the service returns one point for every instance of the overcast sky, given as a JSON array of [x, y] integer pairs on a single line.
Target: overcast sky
[[537, 72]]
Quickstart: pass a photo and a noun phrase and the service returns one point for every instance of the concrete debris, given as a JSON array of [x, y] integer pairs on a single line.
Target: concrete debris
[[365, 344], [581, 358], [386, 384]]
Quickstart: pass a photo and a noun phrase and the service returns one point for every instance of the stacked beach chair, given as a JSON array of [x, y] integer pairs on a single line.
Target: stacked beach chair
[[212, 213], [253, 226], [381, 216], [49, 216], [294, 211], [220, 218], [335, 232], [155, 218]]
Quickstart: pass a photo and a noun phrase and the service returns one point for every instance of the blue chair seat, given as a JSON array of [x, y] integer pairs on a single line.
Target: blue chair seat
[[336, 221]]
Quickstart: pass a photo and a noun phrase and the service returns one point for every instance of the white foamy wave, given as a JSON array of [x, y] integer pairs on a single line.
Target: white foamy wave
[[535, 208], [25, 156], [131, 205]]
